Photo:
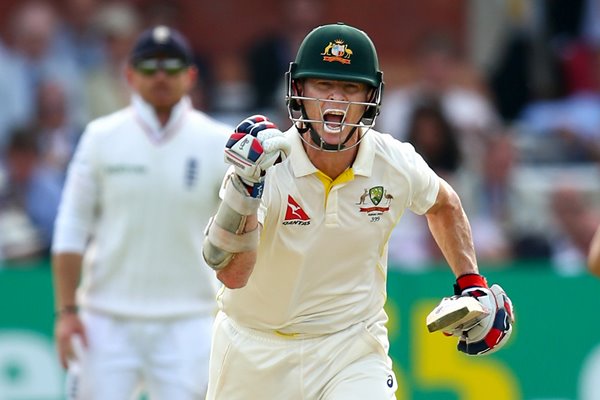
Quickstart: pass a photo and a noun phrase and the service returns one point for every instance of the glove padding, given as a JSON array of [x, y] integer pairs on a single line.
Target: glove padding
[[491, 332], [256, 145]]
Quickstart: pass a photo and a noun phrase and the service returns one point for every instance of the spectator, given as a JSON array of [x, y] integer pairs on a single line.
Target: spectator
[[33, 31], [488, 197], [78, 37], [32, 186], [106, 86], [432, 135], [444, 75], [12, 86], [576, 221], [56, 136], [20, 241]]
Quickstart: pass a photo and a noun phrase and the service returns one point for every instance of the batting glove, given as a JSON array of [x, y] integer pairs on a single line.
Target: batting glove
[[256, 145], [491, 332]]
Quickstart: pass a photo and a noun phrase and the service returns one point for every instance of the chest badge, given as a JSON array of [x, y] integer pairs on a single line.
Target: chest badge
[[191, 172], [375, 201], [294, 214]]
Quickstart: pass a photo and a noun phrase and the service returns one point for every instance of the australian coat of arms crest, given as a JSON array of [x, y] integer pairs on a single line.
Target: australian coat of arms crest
[[337, 51], [375, 200]]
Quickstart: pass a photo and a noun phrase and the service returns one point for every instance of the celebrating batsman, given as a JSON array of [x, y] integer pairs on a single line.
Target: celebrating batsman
[[300, 238]]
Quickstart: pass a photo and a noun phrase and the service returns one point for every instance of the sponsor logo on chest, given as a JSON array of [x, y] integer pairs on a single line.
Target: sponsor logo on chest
[[126, 169], [294, 214]]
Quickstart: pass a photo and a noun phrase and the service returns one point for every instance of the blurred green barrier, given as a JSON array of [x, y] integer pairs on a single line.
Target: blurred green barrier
[[554, 352], [29, 368]]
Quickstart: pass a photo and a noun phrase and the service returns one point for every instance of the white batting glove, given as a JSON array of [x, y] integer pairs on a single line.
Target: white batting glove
[[256, 145], [491, 332]]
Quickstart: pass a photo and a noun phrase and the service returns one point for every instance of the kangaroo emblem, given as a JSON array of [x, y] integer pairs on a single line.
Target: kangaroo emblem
[[363, 197]]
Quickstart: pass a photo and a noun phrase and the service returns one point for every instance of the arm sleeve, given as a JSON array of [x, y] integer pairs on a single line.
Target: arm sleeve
[[76, 213], [425, 185]]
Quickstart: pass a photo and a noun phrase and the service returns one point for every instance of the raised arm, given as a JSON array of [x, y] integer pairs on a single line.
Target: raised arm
[[232, 234]]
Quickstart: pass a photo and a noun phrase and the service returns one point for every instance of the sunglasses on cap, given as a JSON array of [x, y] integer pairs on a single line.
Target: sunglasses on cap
[[150, 66]]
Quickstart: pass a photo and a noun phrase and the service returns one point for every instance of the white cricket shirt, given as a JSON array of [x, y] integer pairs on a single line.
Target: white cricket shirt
[[143, 194], [322, 257]]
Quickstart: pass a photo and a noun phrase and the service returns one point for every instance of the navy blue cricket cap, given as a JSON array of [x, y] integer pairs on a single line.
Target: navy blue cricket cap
[[161, 41]]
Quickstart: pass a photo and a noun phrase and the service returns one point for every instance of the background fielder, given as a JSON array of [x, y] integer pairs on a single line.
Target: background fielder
[[141, 186], [302, 312]]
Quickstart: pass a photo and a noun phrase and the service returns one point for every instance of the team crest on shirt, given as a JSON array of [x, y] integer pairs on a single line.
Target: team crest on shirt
[[191, 172], [337, 51], [374, 202]]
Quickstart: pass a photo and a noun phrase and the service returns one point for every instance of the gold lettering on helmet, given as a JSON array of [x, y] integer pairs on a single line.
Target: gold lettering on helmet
[[337, 51]]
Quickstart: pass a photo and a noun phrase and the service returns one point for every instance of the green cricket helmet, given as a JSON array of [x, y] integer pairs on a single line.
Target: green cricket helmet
[[337, 52]]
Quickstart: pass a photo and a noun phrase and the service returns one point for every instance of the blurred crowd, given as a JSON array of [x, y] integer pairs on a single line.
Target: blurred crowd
[[520, 140]]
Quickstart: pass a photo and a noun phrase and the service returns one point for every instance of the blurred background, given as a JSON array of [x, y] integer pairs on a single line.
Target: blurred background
[[501, 97]]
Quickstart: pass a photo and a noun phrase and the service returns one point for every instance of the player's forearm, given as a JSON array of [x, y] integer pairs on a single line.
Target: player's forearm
[[66, 271], [232, 235], [236, 273], [450, 228], [594, 254]]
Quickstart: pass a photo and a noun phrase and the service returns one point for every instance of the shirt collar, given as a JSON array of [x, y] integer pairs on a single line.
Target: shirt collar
[[363, 165], [301, 165], [147, 115]]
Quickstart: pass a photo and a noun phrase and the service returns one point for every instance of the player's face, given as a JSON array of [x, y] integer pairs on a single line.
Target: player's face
[[335, 106], [161, 82]]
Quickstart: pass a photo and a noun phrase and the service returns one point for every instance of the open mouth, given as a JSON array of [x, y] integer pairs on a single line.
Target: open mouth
[[332, 120]]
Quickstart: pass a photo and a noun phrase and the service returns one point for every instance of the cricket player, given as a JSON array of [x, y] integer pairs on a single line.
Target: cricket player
[[140, 188], [300, 238]]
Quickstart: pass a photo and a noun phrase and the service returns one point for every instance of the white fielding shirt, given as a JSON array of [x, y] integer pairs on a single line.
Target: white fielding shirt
[[143, 195], [322, 257]]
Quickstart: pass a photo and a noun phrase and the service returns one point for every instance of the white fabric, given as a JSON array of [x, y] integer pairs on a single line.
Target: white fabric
[[324, 273], [240, 202], [170, 356], [144, 194], [232, 242], [349, 365]]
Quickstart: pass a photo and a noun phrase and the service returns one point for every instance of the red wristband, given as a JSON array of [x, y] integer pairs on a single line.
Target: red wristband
[[470, 280]]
